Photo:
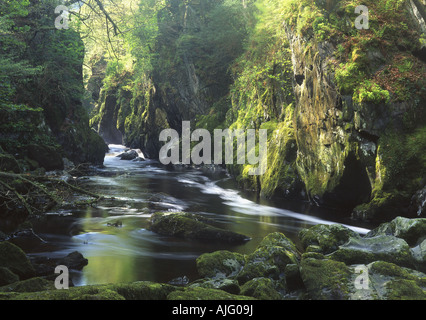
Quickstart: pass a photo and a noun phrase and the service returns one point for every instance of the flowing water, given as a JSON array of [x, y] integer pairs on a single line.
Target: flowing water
[[130, 252]]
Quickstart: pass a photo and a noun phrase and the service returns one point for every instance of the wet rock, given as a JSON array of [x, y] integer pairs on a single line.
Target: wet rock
[[381, 247], [418, 203], [179, 281], [45, 266], [190, 226], [411, 230], [128, 155], [74, 260], [419, 256], [13, 258]]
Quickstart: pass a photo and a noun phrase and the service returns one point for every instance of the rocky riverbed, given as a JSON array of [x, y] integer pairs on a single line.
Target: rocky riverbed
[[332, 263]]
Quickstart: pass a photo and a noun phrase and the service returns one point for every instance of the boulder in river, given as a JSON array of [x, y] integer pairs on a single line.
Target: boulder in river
[[192, 226], [129, 155]]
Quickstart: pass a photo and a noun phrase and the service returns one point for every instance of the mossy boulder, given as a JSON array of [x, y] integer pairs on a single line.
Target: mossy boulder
[[411, 230], [419, 256], [199, 293], [220, 264], [7, 276], [270, 258], [262, 289], [144, 290], [13, 258], [388, 281], [191, 226], [366, 250], [325, 238], [141, 290], [225, 284], [325, 279], [29, 285]]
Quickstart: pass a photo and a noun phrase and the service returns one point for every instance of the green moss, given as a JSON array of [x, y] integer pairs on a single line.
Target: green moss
[[30, 285], [261, 288], [325, 238], [13, 258], [225, 284], [222, 262], [199, 293], [405, 290], [267, 262], [7, 276], [143, 290], [325, 279], [190, 226]]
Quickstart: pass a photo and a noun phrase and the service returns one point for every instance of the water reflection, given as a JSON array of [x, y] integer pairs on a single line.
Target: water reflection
[[129, 252]]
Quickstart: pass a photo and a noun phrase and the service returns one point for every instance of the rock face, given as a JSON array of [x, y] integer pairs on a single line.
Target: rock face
[[190, 226], [343, 137]]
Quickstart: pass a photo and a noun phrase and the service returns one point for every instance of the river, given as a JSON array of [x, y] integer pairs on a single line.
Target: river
[[130, 252]]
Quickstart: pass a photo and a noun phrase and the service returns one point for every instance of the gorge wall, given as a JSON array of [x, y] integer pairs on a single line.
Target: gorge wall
[[344, 107]]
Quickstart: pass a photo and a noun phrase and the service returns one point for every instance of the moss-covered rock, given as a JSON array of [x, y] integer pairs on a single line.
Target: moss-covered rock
[[411, 230], [190, 226], [13, 258], [366, 250], [220, 264], [419, 256], [225, 284], [325, 279], [143, 290], [388, 281], [261, 288], [29, 285], [325, 238], [405, 290], [199, 293], [7, 276], [270, 259]]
